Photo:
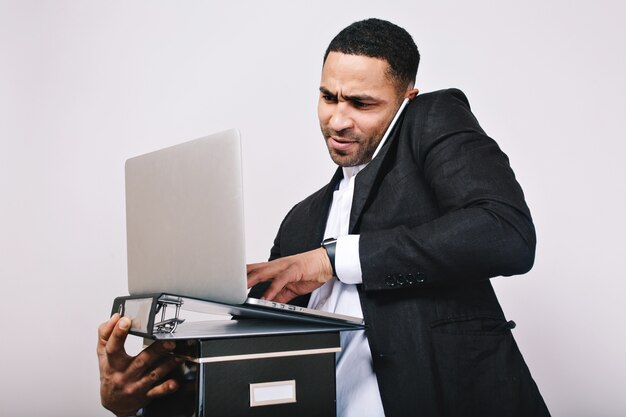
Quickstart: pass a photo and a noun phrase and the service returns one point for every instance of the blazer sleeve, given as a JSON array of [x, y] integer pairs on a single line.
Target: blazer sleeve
[[483, 227]]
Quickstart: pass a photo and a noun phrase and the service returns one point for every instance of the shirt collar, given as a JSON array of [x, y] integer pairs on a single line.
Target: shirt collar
[[349, 172]]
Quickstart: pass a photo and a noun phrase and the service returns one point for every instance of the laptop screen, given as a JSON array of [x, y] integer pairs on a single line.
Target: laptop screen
[[184, 220]]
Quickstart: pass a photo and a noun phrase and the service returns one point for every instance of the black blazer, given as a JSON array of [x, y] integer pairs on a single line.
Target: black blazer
[[439, 212]]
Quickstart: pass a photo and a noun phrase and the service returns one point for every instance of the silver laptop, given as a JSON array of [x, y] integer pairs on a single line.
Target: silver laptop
[[185, 224]]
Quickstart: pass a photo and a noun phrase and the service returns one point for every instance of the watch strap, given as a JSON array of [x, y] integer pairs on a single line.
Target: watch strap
[[330, 245]]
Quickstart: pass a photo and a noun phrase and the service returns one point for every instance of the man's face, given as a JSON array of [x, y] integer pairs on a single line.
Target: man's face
[[357, 102]]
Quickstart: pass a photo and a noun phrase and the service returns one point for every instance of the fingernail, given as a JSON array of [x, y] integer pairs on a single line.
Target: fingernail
[[169, 345], [124, 323]]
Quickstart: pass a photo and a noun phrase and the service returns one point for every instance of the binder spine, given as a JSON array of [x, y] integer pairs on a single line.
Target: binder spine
[[141, 311]]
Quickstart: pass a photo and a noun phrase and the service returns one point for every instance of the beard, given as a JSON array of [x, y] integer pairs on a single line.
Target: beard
[[365, 148]]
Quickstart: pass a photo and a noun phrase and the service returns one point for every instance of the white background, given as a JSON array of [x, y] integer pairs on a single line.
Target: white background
[[84, 85]]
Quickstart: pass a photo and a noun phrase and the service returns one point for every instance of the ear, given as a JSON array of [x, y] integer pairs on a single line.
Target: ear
[[410, 94]]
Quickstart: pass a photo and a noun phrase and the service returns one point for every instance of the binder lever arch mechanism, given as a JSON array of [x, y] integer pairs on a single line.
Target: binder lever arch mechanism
[[168, 325]]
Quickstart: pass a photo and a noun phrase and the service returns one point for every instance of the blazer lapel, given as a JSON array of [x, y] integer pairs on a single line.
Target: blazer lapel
[[320, 208], [366, 180]]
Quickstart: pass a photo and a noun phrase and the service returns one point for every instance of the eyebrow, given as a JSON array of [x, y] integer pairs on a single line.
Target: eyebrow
[[355, 97]]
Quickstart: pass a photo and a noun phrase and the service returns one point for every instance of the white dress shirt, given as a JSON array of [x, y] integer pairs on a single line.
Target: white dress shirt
[[357, 387]]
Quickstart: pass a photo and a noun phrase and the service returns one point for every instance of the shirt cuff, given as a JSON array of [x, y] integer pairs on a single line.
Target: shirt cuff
[[347, 261]]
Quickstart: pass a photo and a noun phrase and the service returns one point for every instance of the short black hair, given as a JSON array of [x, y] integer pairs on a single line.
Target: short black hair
[[381, 39]]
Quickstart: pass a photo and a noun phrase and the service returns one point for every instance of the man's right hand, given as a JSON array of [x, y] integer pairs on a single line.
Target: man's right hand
[[128, 383]]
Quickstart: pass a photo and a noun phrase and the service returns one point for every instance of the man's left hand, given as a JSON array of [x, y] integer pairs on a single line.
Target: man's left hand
[[292, 276]]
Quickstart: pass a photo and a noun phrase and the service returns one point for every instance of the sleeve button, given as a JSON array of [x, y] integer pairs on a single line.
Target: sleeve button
[[390, 281], [400, 279]]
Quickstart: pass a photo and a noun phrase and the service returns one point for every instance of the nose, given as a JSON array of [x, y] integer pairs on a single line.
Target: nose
[[340, 118]]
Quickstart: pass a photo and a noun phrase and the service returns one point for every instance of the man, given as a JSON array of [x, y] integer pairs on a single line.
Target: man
[[420, 229]]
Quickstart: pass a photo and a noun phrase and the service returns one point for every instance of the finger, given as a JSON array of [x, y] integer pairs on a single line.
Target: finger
[[259, 266], [158, 374], [104, 332], [285, 295], [149, 356], [272, 290], [267, 272], [116, 355], [254, 278], [278, 284], [167, 387], [252, 267]]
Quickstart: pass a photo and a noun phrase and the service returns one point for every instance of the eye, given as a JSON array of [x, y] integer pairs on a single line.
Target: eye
[[359, 104], [329, 98]]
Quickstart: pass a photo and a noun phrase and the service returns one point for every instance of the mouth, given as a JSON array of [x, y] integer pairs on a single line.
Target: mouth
[[341, 144]]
